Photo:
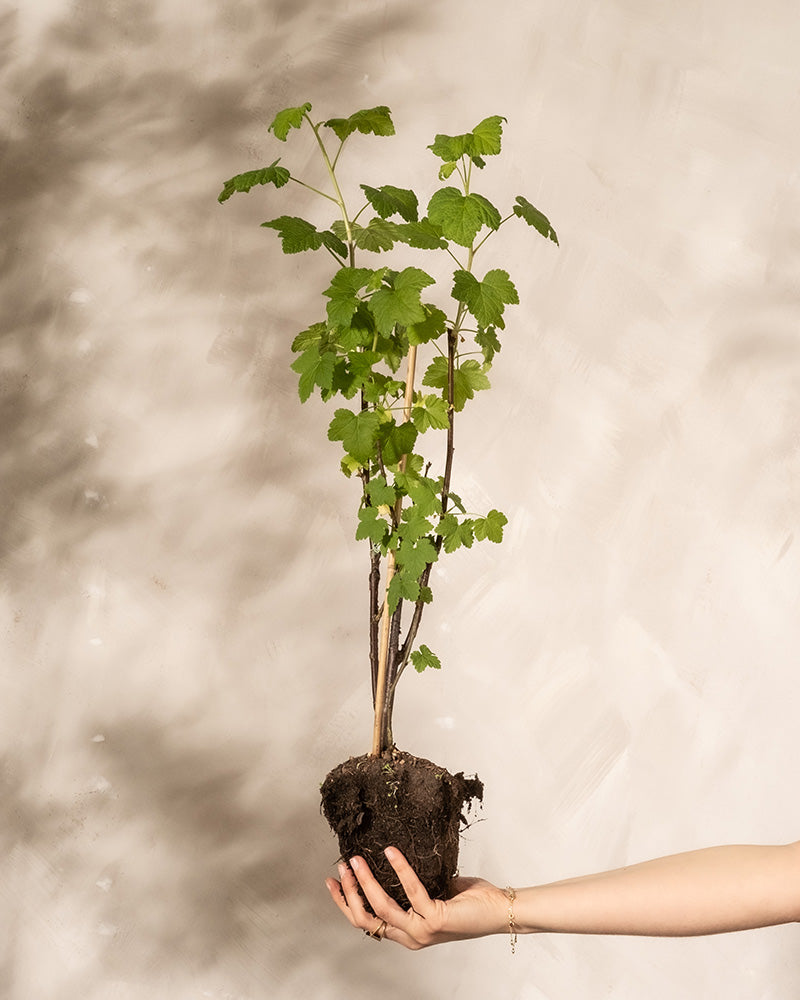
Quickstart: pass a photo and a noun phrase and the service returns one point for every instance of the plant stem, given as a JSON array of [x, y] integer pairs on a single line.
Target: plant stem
[[390, 623], [379, 728], [405, 651], [332, 173]]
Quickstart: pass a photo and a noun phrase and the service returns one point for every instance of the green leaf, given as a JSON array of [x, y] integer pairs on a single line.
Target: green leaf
[[273, 174], [488, 342], [378, 235], [358, 432], [535, 218], [372, 525], [491, 526], [446, 169], [375, 121], [456, 533], [483, 140], [298, 235], [314, 369], [430, 412], [389, 200], [422, 235], [414, 557], [396, 440], [456, 501], [487, 136], [459, 216], [400, 301], [448, 529], [486, 299], [349, 466], [353, 371], [423, 491], [468, 379], [343, 294], [287, 119], [313, 335], [403, 585], [414, 525], [423, 658], [430, 328], [380, 492]]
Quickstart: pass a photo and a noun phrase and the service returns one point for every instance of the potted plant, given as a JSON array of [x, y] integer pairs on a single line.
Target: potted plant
[[380, 331]]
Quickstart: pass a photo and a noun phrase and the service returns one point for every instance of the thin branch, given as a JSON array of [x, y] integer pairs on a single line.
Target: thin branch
[[315, 190], [416, 618]]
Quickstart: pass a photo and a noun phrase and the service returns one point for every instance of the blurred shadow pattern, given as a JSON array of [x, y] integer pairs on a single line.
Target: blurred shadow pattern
[[155, 854]]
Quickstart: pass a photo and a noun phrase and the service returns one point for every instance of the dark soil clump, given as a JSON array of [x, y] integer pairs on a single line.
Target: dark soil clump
[[401, 801]]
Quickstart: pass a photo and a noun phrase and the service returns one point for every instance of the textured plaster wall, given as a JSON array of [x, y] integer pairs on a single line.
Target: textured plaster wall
[[182, 638]]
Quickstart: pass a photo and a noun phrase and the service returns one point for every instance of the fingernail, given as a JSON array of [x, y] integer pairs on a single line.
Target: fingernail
[[354, 863], [390, 853], [342, 870]]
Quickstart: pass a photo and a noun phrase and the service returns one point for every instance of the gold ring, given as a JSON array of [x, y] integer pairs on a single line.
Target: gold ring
[[378, 933]]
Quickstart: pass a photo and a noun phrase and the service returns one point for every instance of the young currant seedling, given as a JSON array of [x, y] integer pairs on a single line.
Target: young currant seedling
[[376, 318]]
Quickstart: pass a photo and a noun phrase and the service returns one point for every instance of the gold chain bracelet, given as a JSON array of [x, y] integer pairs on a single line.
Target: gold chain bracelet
[[512, 927]]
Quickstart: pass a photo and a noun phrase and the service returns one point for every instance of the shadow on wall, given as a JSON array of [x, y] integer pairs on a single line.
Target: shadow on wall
[[125, 118], [188, 864], [111, 273]]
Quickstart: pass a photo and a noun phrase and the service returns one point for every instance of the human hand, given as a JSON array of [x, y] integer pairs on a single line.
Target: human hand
[[475, 909]]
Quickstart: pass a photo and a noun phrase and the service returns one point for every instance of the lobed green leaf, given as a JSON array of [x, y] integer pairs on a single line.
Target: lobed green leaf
[[486, 299], [468, 379], [372, 525], [287, 119], [352, 372], [273, 174], [375, 121], [380, 492], [491, 526], [314, 369], [396, 440], [422, 235], [413, 557], [376, 236], [489, 343], [389, 200], [403, 586], [483, 140], [460, 216], [358, 432], [423, 658], [298, 235], [313, 335], [430, 412], [535, 218], [431, 327], [343, 294], [423, 491], [399, 301], [414, 526], [455, 533], [487, 136]]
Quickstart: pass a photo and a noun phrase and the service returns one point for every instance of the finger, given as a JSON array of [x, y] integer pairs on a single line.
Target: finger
[[415, 890], [390, 933], [335, 889], [354, 901], [382, 904]]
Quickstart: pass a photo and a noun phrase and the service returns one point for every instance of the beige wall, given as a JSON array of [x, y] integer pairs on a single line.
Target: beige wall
[[183, 647]]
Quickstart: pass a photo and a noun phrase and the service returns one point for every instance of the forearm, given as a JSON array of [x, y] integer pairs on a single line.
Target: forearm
[[700, 892]]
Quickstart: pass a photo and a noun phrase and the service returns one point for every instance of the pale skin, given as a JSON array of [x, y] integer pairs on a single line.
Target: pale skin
[[709, 891]]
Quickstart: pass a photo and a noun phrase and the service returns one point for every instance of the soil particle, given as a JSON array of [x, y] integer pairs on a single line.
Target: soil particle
[[406, 802]]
